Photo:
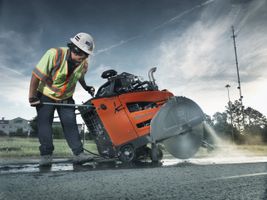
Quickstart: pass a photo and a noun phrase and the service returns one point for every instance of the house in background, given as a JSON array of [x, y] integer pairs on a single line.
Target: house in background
[[4, 126], [21, 126], [18, 125]]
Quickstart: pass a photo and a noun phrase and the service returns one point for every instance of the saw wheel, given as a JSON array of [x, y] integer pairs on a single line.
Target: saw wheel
[[126, 153]]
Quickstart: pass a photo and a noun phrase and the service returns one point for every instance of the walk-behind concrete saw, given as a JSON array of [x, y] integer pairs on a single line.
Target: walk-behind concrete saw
[[130, 119]]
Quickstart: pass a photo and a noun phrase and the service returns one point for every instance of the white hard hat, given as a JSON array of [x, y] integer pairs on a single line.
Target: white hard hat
[[84, 42]]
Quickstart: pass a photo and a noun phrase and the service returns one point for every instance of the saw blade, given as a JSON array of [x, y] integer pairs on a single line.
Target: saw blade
[[185, 145], [176, 124]]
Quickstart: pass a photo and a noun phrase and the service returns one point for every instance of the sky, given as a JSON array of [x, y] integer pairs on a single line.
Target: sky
[[189, 41]]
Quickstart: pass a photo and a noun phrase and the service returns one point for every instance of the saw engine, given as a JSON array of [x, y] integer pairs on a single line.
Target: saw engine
[[131, 119]]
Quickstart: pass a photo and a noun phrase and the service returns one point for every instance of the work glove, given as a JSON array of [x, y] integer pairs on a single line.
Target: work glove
[[34, 101], [90, 90]]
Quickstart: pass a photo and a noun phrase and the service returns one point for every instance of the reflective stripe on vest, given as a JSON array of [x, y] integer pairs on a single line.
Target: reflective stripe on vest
[[47, 79], [57, 62], [58, 84], [43, 77]]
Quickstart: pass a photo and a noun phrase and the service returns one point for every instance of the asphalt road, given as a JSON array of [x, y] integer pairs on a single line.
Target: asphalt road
[[182, 180]]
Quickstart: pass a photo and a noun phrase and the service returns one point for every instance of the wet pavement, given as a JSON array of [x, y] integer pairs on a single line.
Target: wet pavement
[[170, 179], [67, 165], [32, 166]]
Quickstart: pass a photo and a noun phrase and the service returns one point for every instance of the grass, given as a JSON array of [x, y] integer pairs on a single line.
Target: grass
[[29, 147], [14, 147]]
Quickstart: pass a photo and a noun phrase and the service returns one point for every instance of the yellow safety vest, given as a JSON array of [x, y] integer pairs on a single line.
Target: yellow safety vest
[[52, 71]]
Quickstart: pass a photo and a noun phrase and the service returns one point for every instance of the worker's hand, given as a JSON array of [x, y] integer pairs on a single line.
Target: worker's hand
[[34, 101], [90, 90]]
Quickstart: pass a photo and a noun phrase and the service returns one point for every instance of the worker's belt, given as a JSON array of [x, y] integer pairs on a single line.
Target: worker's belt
[[64, 101], [48, 99]]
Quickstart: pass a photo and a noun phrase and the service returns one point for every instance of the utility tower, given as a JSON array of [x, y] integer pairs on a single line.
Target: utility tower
[[238, 77]]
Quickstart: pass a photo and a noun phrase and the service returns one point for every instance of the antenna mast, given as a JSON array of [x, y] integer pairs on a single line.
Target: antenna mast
[[238, 76]]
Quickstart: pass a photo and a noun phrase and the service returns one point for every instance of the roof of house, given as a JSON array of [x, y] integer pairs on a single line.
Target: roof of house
[[4, 121], [18, 118]]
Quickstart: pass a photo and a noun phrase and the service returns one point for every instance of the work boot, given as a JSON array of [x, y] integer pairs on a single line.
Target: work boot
[[81, 158], [45, 160]]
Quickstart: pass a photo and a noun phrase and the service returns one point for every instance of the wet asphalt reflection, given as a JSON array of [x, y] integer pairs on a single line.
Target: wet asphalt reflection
[[68, 166], [111, 164]]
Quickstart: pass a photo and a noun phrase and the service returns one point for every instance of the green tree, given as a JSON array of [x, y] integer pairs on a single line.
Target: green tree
[[246, 121], [220, 123], [264, 135], [58, 132], [223, 126], [255, 124], [2, 133], [34, 127], [208, 120], [254, 118], [235, 110], [206, 134], [18, 133]]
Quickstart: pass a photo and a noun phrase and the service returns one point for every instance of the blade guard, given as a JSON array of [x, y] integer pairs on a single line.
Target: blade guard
[[178, 125]]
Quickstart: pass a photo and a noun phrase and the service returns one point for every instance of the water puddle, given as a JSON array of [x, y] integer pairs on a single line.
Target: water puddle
[[65, 165]]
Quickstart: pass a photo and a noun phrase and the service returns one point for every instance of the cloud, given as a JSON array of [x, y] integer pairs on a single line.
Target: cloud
[[14, 86], [17, 51], [17, 59], [162, 25], [195, 56], [6, 70], [199, 61], [14, 94], [122, 42], [251, 10]]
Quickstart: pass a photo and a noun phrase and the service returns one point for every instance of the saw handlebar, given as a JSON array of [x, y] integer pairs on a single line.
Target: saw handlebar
[[66, 104]]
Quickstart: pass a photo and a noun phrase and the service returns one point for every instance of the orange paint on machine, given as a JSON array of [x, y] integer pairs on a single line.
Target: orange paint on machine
[[127, 117], [119, 117]]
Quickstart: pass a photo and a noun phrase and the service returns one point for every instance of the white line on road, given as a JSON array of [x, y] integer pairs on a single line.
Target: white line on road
[[216, 160], [242, 175]]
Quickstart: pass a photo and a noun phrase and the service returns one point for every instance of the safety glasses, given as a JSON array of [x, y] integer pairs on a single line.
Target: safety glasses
[[79, 52]]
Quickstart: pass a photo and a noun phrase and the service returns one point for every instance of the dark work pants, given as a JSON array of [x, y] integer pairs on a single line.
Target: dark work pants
[[45, 116]]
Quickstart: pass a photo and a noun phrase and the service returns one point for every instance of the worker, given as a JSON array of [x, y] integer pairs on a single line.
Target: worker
[[53, 80]]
